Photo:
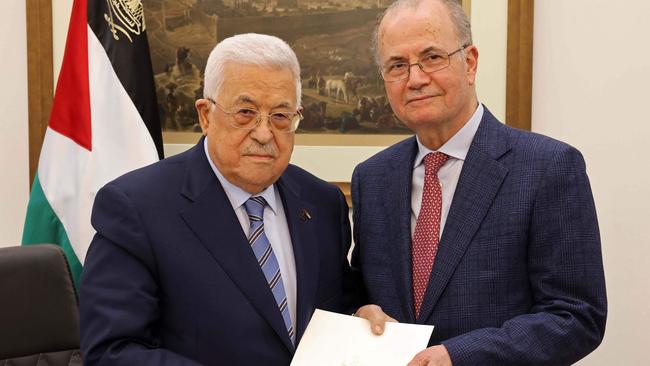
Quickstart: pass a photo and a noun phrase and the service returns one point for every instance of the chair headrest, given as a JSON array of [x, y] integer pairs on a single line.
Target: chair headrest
[[38, 301]]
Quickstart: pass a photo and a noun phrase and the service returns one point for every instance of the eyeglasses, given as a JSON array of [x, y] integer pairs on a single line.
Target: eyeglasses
[[431, 62], [248, 119]]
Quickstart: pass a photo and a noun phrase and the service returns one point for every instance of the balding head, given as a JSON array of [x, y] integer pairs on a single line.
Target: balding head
[[459, 19]]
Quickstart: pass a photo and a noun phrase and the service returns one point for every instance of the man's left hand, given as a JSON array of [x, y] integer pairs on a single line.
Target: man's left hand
[[432, 356]]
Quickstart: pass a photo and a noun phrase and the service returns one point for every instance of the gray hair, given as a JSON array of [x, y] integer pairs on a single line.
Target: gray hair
[[249, 49], [459, 19]]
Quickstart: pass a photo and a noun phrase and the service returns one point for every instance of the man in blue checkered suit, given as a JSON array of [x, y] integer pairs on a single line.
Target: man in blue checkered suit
[[513, 274]]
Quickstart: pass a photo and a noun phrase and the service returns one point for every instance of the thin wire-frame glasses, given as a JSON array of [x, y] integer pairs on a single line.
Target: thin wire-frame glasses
[[431, 62], [248, 119]]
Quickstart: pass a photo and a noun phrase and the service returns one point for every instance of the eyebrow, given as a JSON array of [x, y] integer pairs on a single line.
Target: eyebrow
[[245, 99], [429, 49], [282, 105], [421, 53]]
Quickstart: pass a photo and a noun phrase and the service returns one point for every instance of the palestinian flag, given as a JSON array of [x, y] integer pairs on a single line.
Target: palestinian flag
[[104, 123]]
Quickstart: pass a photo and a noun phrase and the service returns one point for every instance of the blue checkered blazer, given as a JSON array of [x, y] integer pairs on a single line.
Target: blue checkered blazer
[[518, 278]]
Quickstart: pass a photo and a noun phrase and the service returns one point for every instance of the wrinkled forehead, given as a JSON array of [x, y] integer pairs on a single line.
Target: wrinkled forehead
[[258, 85]]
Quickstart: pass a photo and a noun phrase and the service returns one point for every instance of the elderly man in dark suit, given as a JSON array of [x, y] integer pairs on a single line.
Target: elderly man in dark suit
[[219, 255], [487, 232]]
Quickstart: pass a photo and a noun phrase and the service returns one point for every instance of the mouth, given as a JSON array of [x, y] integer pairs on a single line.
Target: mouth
[[420, 98], [260, 157]]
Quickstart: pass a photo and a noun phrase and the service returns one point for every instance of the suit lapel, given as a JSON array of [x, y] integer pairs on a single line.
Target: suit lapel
[[214, 222], [301, 219], [478, 184], [397, 207]]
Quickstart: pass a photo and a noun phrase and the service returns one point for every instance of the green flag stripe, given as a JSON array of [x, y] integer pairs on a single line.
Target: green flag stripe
[[42, 226]]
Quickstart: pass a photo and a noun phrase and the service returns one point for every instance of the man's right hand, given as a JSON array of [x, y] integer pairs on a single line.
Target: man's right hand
[[375, 316]]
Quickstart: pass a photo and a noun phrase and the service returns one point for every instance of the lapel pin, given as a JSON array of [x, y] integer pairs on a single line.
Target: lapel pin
[[304, 215]]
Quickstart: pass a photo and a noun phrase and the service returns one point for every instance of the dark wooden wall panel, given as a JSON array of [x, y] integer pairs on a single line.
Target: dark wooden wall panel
[[39, 75], [519, 74]]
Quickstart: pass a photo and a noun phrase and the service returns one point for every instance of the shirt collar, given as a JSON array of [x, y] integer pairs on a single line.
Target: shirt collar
[[458, 145], [236, 195]]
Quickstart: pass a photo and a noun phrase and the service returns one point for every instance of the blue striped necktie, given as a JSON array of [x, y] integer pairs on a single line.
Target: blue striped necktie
[[266, 259]]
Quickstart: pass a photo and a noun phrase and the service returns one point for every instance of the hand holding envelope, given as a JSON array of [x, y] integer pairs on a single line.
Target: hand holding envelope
[[340, 340], [432, 356]]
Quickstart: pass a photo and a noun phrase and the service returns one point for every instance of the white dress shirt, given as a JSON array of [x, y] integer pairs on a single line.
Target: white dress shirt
[[456, 148], [275, 228]]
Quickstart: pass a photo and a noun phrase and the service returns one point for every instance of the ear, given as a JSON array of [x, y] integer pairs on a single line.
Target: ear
[[203, 109], [471, 62]]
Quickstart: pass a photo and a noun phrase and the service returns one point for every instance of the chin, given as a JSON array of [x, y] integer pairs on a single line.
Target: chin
[[260, 177], [254, 186], [422, 113], [421, 119]]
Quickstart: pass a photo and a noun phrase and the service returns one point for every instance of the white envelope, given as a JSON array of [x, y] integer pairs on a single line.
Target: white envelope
[[333, 339]]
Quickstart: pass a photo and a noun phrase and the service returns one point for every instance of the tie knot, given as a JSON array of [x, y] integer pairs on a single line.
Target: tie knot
[[255, 208], [433, 161]]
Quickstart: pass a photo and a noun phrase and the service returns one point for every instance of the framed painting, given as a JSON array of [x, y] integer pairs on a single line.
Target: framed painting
[[342, 92]]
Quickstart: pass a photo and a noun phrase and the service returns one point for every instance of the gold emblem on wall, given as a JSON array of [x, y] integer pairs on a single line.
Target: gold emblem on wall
[[125, 16]]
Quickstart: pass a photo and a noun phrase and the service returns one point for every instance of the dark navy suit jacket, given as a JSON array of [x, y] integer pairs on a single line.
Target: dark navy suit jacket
[[170, 279], [518, 277]]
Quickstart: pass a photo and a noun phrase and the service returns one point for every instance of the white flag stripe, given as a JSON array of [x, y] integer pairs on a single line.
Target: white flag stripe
[[119, 134], [61, 172]]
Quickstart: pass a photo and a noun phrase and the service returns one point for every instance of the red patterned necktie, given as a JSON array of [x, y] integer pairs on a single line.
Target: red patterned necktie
[[427, 227]]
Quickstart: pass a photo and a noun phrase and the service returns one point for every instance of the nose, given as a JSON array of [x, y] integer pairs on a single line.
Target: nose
[[417, 77], [262, 133]]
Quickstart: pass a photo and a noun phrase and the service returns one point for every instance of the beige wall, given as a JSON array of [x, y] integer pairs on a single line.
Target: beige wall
[[490, 33], [61, 10], [14, 154], [590, 89]]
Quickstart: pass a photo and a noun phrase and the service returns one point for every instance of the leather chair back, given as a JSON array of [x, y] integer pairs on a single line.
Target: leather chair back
[[39, 311]]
